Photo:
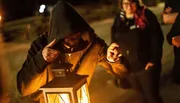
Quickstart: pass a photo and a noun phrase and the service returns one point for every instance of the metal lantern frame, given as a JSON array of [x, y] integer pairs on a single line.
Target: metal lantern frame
[[68, 84]]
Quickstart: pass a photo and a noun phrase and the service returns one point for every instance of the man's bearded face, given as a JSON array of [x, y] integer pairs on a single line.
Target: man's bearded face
[[72, 40]]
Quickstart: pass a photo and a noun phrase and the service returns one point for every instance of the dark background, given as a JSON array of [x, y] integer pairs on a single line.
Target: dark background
[[16, 9]]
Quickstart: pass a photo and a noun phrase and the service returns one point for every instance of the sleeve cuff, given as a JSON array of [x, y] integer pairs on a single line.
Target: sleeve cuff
[[111, 60], [40, 62]]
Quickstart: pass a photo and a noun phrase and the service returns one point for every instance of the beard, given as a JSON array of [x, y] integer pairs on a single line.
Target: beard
[[75, 46], [72, 44]]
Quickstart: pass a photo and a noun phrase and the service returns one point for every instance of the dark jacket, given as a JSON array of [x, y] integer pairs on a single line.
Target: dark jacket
[[172, 33], [174, 4], [139, 45], [36, 72], [174, 30]]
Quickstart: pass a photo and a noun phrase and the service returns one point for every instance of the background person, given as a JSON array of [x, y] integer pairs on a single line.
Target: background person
[[140, 38]]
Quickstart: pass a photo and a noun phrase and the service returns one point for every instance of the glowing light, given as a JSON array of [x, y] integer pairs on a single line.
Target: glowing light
[[41, 10], [67, 91], [83, 95], [0, 17], [42, 7], [58, 98], [64, 98]]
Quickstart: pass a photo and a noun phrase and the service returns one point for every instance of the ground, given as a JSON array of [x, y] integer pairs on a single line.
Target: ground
[[102, 88]]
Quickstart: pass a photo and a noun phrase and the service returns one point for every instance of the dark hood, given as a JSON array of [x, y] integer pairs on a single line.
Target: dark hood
[[65, 20]]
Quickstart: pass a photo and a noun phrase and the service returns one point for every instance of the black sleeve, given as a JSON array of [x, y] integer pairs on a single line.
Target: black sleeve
[[156, 37], [114, 28], [118, 26], [34, 63], [166, 5], [175, 30]]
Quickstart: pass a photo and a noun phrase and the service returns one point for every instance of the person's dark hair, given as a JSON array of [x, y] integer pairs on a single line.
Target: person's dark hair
[[140, 18]]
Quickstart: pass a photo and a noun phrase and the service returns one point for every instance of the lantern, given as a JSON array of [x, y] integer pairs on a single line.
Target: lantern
[[70, 88], [1, 20], [0, 17]]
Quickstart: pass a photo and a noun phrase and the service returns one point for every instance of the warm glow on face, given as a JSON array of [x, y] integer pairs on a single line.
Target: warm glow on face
[[72, 40], [58, 98], [0, 18], [129, 7]]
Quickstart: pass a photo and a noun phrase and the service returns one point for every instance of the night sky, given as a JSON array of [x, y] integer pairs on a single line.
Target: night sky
[[16, 9]]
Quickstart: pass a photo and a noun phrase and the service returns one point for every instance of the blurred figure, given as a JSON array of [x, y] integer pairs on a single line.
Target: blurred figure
[[171, 9], [4, 95], [70, 43], [173, 37], [4, 74], [27, 33], [140, 39], [4, 69]]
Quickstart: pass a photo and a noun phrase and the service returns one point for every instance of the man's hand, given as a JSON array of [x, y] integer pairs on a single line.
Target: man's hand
[[113, 53], [176, 41], [149, 65], [168, 10], [169, 17], [49, 54]]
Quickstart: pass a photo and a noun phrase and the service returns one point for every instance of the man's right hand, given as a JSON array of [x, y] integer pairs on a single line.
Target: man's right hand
[[49, 54], [176, 41], [169, 17], [113, 53], [168, 10]]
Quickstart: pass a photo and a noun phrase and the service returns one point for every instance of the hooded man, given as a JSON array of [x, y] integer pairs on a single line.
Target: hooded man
[[70, 43]]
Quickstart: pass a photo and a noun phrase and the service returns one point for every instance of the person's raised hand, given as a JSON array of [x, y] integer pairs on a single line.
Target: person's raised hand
[[113, 53], [168, 10], [176, 41], [50, 54], [149, 65]]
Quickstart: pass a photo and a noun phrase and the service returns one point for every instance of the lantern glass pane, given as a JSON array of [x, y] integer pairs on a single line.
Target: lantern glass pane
[[58, 98], [83, 95]]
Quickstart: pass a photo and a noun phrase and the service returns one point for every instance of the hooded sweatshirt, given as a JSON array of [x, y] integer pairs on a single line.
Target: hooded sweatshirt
[[65, 20]]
